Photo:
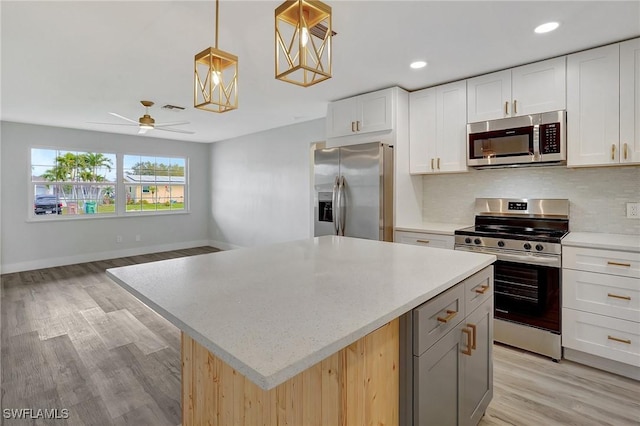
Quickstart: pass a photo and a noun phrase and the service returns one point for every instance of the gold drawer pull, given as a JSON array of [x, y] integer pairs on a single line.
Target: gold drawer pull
[[515, 106], [449, 317], [432, 164], [423, 241], [625, 151], [619, 297], [482, 290], [469, 339], [353, 126], [613, 151], [473, 336], [506, 108], [616, 339], [628, 265], [438, 162]]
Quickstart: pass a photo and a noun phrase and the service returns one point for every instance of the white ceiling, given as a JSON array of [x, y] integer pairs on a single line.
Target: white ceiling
[[69, 63]]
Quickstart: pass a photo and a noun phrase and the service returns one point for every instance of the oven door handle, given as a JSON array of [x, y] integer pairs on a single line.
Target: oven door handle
[[529, 259]]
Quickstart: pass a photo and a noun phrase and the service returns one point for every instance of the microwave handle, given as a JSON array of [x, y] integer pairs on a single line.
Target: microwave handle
[[536, 142]]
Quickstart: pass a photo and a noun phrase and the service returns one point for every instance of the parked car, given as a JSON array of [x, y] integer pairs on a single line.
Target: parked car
[[47, 204]]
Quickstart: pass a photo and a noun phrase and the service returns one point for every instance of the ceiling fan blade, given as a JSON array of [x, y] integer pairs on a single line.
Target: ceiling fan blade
[[124, 118], [113, 124], [174, 130], [176, 123]]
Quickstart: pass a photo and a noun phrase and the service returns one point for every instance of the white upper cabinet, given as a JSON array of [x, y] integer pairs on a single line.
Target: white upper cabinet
[[437, 129], [341, 116], [489, 96], [603, 104], [630, 101], [371, 112], [529, 89]]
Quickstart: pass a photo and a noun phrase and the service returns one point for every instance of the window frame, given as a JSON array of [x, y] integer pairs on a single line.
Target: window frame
[[119, 186]]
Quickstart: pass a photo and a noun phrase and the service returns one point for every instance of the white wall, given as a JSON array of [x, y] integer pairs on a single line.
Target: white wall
[[260, 186], [597, 196], [36, 244]]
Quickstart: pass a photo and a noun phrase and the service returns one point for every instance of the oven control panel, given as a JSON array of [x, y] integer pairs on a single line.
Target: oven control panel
[[517, 205], [508, 245]]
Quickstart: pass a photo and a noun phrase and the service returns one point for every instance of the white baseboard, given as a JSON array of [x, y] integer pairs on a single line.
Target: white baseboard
[[112, 254], [609, 365], [223, 245]]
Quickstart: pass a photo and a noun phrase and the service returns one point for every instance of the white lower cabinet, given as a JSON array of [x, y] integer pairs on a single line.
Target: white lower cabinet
[[453, 378], [607, 337], [425, 239], [601, 308]]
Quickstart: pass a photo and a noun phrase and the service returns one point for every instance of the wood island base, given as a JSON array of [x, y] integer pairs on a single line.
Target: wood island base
[[357, 385]]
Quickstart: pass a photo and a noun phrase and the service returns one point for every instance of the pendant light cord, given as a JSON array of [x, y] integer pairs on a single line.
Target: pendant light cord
[[217, 5]]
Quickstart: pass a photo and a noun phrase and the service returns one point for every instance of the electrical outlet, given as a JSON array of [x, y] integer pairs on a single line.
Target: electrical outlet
[[633, 210], [118, 238], [138, 238]]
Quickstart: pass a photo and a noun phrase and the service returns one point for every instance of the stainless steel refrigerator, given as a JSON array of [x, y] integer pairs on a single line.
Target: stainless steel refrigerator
[[354, 191]]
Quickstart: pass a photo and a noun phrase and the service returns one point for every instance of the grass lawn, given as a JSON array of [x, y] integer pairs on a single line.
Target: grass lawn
[[111, 208]]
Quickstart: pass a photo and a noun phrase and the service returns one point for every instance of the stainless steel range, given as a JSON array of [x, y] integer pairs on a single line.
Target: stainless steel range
[[525, 235]]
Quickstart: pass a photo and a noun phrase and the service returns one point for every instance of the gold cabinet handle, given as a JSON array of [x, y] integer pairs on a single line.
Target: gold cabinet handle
[[469, 339], [473, 335], [617, 339], [627, 265], [613, 151], [506, 108], [353, 126], [432, 164], [438, 163], [625, 151], [515, 107], [423, 241], [358, 125], [449, 317], [615, 296], [482, 290]]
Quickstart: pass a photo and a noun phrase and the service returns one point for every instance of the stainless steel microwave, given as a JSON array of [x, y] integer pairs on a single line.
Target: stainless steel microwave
[[527, 140]]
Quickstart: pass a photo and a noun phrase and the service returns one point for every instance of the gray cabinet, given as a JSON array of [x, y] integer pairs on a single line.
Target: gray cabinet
[[477, 367], [451, 370]]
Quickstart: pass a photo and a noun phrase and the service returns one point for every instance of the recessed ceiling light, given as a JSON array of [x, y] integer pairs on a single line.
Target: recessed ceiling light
[[545, 28], [418, 64]]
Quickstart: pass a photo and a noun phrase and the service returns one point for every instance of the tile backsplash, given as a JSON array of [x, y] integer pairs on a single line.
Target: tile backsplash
[[597, 196]]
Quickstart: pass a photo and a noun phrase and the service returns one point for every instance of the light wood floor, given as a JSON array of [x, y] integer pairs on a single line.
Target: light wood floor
[[73, 339]]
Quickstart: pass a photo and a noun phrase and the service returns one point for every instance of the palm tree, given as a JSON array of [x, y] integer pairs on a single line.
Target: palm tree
[[82, 167]]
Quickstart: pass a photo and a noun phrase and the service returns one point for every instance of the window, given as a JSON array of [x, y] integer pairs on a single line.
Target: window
[[73, 183], [154, 183], [84, 184]]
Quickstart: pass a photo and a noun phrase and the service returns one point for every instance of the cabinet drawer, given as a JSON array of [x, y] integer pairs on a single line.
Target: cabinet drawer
[[610, 295], [623, 263], [435, 318], [478, 288], [425, 239], [610, 338]]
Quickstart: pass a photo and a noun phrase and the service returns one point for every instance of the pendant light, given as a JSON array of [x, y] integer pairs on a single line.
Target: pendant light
[[303, 42], [216, 78]]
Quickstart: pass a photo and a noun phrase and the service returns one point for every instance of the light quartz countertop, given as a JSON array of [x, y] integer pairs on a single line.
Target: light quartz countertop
[[603, 241], [431, 227], [271, 312]]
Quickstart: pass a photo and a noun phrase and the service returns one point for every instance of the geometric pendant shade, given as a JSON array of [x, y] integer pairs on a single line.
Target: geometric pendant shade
[[216, 78], [303, 42]]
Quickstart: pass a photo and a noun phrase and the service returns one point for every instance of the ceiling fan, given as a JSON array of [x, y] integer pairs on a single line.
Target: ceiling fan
[[146, 122]]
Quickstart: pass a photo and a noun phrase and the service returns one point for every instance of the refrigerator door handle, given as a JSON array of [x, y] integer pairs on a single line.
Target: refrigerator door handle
[[342, 205], [335, 199]]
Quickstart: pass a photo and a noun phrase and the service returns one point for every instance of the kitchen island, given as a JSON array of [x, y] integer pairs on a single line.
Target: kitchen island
[[303, 332]]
